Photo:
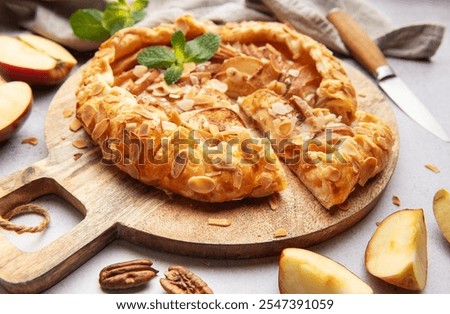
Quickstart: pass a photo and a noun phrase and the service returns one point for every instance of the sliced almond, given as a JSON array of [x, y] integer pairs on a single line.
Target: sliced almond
[[179, 163], [189, 67], [218, 85], [194, 80], [168, 126], [331, 173], [30, 140], [201, 184], [281, 108], [80, 143], [75, 125], [294, 72], [237, 178], [396, 200], [432, 168], [186, 104], [204, 100], [77, 156], [100, 129], [142, 79], [274, 201], [344, 206], [214, 129], [362, 95], [221, 222], [285, 128], [265, 180], [213, 173], [67, 113], [280, 233], [144, 112], [139, 70]]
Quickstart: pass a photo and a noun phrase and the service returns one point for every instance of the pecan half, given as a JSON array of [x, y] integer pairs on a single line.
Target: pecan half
[[180, 280], [127, 274]]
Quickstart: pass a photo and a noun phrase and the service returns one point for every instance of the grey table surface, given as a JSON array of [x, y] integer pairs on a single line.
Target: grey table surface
[[411, 181]]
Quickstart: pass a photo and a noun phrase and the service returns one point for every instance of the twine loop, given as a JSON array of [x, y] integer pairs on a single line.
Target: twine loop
[[6, 224]]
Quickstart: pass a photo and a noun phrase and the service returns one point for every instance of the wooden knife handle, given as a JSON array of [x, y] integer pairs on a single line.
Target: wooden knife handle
[[358, 42]]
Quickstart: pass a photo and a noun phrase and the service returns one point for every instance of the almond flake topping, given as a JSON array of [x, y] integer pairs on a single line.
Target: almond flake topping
[[293, 72], [201, 184], [185, 104], [67, 113], [281, 109], [80, 143], [396, 200], [168, 126], [75, 125], [30, 140], [139, 70], [220, 222], [218, 85], [280, 233], [77, 156], [432, 168]]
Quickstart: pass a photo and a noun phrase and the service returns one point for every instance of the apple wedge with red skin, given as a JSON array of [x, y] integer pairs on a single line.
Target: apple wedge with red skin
[[15, 106], [34, 60]]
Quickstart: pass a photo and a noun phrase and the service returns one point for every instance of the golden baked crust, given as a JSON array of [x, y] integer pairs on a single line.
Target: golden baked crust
[[329, 157], [188, 137]]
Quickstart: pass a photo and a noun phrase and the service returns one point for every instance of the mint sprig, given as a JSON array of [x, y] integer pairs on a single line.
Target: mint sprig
[[198, 50], [93, 24]]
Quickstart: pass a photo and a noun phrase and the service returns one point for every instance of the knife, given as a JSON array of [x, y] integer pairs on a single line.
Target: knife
[[367, 53]]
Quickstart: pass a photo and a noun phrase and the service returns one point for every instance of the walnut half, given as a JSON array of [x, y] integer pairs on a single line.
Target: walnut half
[[127, 274], [180, 280]]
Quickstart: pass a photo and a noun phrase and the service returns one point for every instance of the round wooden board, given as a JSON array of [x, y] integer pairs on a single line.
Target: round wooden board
[[117, 206], [179, 225]]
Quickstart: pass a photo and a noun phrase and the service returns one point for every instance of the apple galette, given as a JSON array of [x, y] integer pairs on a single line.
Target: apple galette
[[220, 129]]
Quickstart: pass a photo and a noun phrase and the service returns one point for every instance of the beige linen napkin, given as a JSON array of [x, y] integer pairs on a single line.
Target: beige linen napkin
[[419, 41], [50, 18]]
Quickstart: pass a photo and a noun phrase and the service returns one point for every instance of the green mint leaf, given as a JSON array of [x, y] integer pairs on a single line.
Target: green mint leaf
[[173, 73], [139, 5], [202, 48], [178, 42], [138, 16], [87, 24], [156, 57], [92, 24], [117, 16], [138, 10]]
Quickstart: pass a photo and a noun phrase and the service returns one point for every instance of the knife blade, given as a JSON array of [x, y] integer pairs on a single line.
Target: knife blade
[[367, 53]]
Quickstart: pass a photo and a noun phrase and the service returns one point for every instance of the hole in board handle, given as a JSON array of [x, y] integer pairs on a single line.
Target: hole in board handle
[[64, 209]]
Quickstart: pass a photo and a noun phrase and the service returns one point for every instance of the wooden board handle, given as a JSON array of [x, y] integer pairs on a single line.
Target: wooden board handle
[[33, 272], [358, 42]]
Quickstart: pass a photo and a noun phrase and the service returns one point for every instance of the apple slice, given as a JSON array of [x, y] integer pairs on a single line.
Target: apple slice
[[303, 271], [15, 105], [34, 59], [397, 251], [441, 209]]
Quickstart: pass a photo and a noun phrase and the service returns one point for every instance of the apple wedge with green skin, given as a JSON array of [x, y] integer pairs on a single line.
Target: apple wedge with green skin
[[441, 209], [397, 251], [15, 105], [303, 271], [34, 60]]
